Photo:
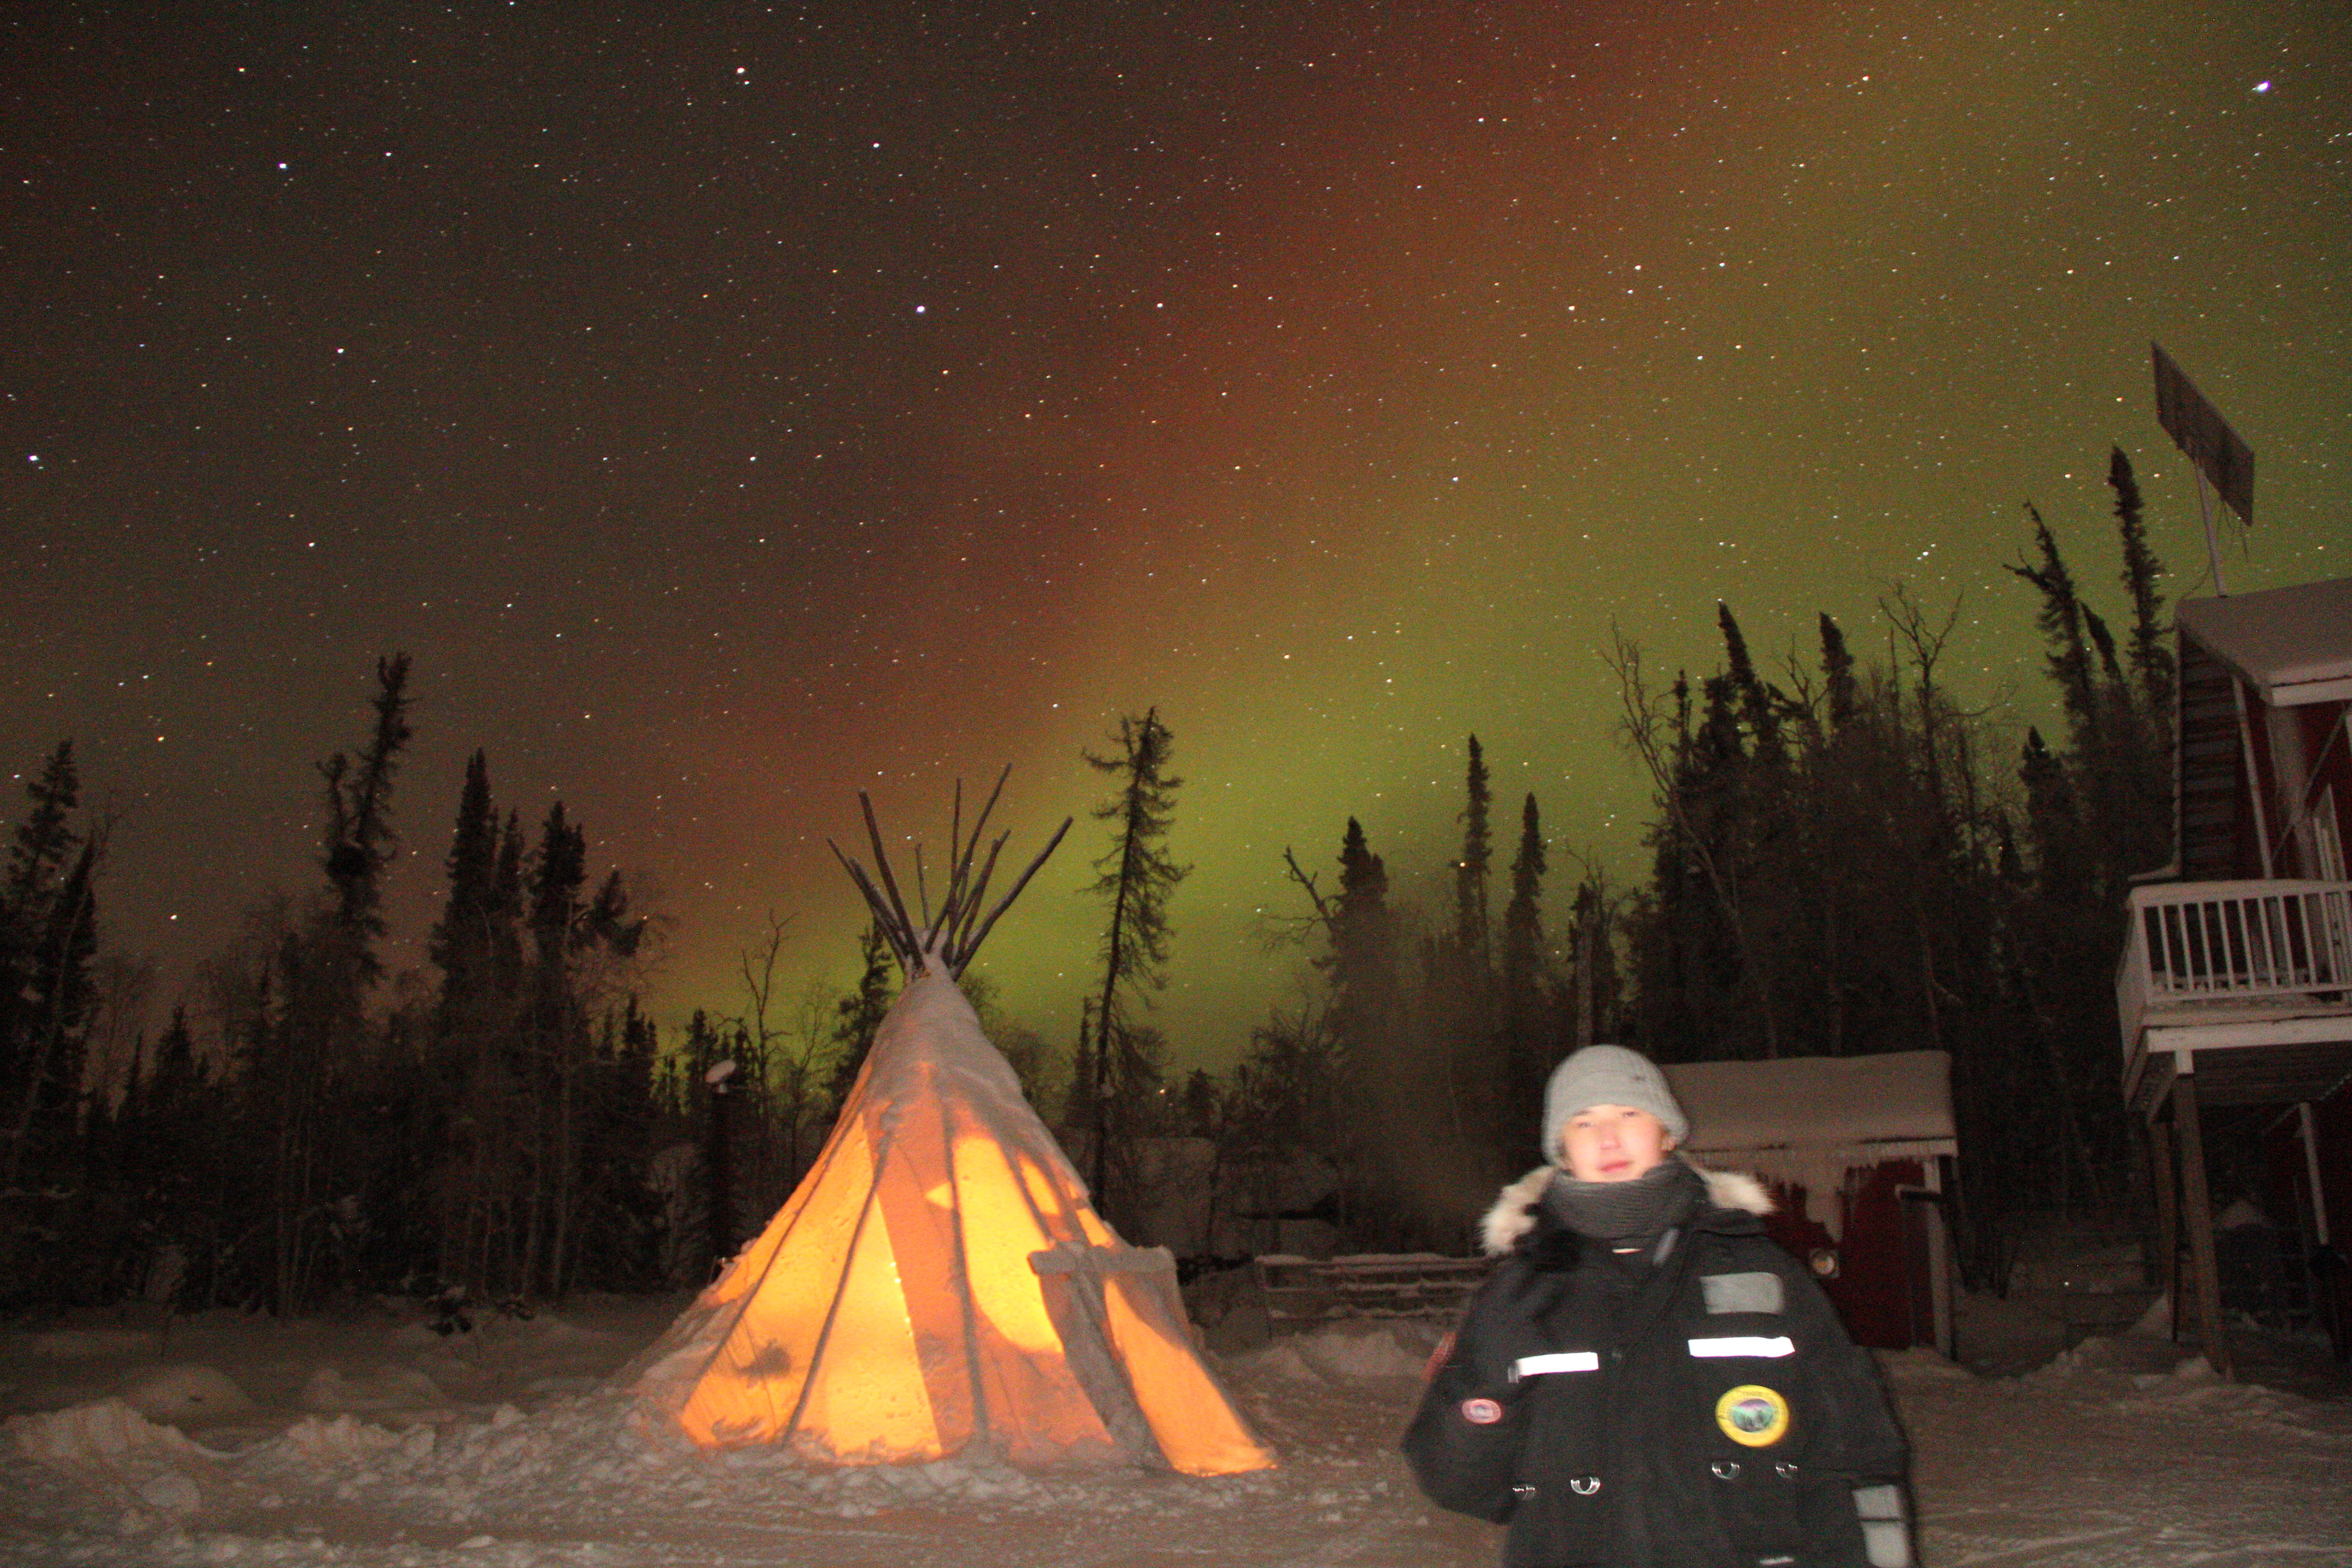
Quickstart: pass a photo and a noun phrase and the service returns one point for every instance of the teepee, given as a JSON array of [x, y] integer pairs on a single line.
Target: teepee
[[938, 1284]]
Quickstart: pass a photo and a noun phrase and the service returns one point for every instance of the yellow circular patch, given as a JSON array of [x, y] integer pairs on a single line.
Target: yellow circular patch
[[1753, 1415]]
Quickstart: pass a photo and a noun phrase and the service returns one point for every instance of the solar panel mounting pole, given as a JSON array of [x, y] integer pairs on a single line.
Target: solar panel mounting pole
[[2212, 542]]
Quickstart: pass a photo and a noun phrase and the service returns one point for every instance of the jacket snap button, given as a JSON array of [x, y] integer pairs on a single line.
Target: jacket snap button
[[1725, 1469], [1585, 1486], [1785, 1469]]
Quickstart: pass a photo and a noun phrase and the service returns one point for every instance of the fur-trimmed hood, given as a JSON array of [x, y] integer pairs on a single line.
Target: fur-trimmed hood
[[1514, 1213]]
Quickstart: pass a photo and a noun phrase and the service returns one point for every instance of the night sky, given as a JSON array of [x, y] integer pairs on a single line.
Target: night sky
[[732, 407]]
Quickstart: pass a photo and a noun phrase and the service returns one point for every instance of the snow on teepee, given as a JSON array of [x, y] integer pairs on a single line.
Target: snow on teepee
[[938, 1284]]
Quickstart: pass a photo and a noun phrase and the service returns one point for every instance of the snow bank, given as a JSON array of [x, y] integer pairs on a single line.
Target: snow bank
[[110, 1448], [381, 1389], [103, 1431], [1919, 1365], [346, 1440], [2151, 1381], [2122, 1451], [184, 1393], [1346, 1353]]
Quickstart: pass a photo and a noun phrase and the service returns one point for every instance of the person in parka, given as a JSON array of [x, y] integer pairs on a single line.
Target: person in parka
[[1647, 1381]]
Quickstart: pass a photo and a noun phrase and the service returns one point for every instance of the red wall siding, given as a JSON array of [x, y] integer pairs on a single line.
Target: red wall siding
[[1880, 1290], [2328, 752], [2248, 847]]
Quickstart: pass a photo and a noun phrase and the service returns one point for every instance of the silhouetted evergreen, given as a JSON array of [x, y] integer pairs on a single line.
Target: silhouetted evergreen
[[1529, 1043], [48, 932], [308, 1051], [1458, 975], [2151, 649], [1135, 876], [859, 1013], [1843, 870]]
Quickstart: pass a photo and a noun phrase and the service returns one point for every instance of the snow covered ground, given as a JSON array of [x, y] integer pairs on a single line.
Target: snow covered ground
[[375, 1441]]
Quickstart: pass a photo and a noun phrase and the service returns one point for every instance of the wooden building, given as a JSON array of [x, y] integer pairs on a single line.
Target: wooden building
[[1858, 1151], [2235, 984]]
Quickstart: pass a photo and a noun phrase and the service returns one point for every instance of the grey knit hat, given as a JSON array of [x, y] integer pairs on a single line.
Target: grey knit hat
[[1608, 1075]]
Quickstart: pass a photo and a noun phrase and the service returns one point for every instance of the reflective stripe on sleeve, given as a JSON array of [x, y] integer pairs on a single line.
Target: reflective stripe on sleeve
[[1744, 1345], [1886, 1544], [1886, 1538], [1563, 1360]]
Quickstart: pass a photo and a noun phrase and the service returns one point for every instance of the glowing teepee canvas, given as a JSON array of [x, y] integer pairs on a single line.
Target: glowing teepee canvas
[[938, 1284]]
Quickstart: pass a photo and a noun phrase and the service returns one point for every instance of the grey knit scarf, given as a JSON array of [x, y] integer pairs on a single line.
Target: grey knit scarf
[[1617, 1211]]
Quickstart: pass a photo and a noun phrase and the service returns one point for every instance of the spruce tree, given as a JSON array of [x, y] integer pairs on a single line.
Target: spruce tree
[[1528, 1042], [1389, 1104], [312, 1051], [706, 1085], [44, 841], [1458, 973], [1363, 957], [480, 1061], [2119, 749], [464, 939], [1135, 876], [2061, 620], [571, 935], [859, 1013], [360, 842], [40, 850], [1592, 1009], [56, 999], [2061, 863], [2152, 653], [1470, 871], [1837, 674], [1759, 704]]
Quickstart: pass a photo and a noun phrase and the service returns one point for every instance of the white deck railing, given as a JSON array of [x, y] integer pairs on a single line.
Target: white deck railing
[[2252, 942]]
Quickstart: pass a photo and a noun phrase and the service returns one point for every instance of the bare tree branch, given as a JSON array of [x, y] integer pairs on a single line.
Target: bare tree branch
[[1642, 721]]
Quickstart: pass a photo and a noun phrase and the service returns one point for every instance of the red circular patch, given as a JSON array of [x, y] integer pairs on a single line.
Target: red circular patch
[[1481, 1412]]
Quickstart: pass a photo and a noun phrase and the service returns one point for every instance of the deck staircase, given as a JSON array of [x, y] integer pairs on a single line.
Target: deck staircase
[[2210, 772]]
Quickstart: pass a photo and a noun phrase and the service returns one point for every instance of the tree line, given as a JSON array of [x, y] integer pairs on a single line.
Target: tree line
[[508, 1127], [294, 1134], [1843, 857]]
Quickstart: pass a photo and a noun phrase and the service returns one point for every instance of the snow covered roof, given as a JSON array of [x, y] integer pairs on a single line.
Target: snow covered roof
[[2294, 643], [1819, 1103]]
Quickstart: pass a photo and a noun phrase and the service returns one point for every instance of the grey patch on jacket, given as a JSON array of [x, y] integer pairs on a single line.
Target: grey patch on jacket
[[1758, 1292]]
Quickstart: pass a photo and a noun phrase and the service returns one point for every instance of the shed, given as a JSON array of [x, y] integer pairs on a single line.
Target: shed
[[1858, 1151]]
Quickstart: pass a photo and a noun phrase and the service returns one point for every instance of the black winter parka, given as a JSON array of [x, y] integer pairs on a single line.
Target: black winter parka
[[1697, 1408]]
